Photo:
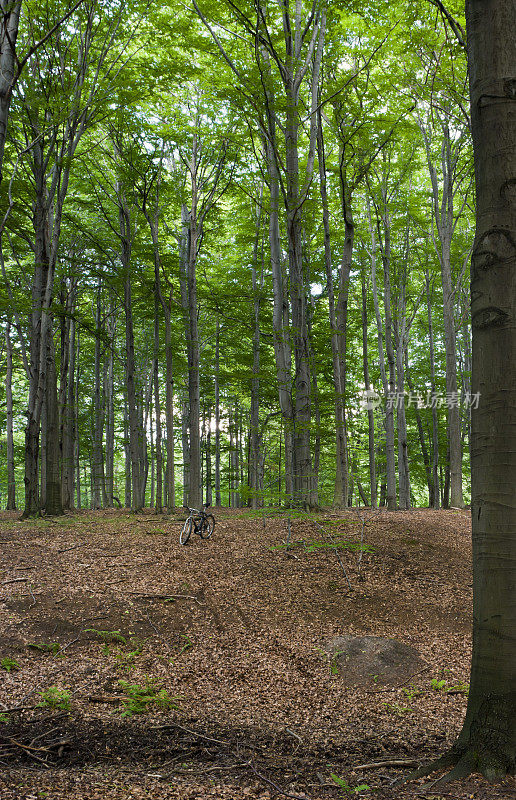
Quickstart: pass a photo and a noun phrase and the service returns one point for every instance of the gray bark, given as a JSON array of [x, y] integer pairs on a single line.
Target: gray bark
[[11, 482], [488, 738]]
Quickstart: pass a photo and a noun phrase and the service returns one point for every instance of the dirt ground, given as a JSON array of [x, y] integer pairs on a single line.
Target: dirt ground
[[146, 669]]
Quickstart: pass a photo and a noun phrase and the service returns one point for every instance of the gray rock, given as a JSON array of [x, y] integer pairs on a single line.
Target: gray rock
[[365, 660]]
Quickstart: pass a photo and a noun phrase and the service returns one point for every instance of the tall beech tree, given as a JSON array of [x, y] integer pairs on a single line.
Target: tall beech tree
[[487, 742], [488, 739]]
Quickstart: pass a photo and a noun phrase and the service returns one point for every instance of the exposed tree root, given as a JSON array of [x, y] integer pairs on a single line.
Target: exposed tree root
[[488, 747]]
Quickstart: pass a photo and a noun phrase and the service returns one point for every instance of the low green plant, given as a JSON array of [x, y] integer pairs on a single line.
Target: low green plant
[[395, 708], [54, 697], [411, 692], [107, 636], [46, 647], [334, 663], [141, 697], [9, 664], [4, 718], [346, 787], [441, 686], [124, 659]]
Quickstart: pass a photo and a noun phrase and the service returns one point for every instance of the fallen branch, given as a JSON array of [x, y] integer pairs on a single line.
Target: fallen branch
[[389, 763], [106, 698], [67, 549], [15, 580]]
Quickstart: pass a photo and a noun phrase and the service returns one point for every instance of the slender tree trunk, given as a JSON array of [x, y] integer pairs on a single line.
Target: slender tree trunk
[[435, 498], [11, 481], [53, 503], [388, 385], [209, 484], [218, 500], [186, 453], [109, 392], [370, 410], [341, 471], [158, 507], [97, 465], [67, 403], [254, 433]]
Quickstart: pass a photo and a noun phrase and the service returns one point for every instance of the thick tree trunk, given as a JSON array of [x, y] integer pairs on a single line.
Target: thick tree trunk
[[489, 733], [487, 742], [10, 18]]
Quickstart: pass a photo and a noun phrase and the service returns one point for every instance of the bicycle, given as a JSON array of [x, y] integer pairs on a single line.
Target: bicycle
[[199, 522]]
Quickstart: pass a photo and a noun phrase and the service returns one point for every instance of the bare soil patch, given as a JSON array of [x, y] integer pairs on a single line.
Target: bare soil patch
[[234, 633]]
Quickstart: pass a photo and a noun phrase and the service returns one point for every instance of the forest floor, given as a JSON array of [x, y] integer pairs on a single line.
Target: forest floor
[[146, 669]]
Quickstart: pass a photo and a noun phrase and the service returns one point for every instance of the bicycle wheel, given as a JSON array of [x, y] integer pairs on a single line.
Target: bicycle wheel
[[186, 531], [207, 526]]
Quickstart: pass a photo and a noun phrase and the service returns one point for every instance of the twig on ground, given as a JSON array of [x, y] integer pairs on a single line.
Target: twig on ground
[[67, 549], [192, 733], [154, 628], [275, 785], [15, 580], [68, 645], [143, 596], [34, 601]]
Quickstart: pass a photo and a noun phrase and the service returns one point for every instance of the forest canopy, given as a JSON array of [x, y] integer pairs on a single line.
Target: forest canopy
[[235, 255]]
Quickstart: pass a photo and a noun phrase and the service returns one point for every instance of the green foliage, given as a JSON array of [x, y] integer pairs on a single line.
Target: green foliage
[[54, 697], [9, 664], [411, 692], [396, 708], [440, 685], [141, 697], [346, 787], [108, 637], [46, 647]]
